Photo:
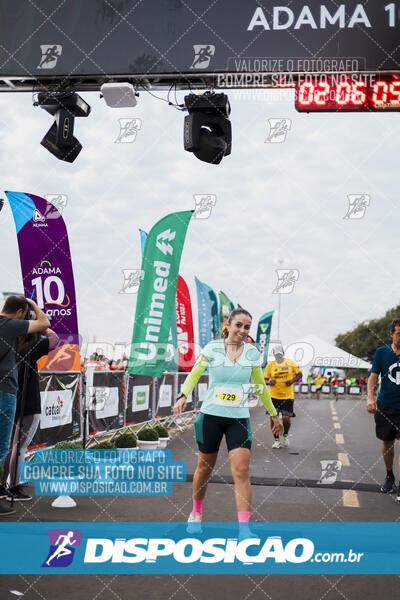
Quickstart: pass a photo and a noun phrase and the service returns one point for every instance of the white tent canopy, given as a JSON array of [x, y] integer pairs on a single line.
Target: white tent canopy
[[311, 351]]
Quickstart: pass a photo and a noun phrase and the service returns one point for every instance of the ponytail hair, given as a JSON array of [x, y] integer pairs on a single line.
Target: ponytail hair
[[234, 313]]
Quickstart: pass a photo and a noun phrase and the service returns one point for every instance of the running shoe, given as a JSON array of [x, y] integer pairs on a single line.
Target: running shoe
[[285, 441], [194, 523], [18, 493], [3, 491], [276, 444], [6, 510], [388, 485]]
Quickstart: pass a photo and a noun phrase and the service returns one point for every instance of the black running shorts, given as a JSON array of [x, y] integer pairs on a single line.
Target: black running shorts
[[285, 407], [387, 423], [209, 430]]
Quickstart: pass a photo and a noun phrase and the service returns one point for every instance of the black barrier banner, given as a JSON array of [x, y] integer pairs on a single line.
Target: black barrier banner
[[326, 388], [107, 407], [304, 388], [164, 395], [190, 399], [201, 391], [354, 390], [60, 418], [139, 402], [341, 389], [196, 36]]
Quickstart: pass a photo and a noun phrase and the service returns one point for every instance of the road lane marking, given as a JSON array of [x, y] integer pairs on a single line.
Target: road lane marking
[[336, 425], [339, 438], [350, 498], [344, 459]]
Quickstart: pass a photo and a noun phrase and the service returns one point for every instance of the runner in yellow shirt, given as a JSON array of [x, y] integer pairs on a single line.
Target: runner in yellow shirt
[[280, 375], [319, 382]]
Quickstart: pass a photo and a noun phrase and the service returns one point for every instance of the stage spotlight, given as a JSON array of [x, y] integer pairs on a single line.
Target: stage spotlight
[[207, 129], [64, 106]]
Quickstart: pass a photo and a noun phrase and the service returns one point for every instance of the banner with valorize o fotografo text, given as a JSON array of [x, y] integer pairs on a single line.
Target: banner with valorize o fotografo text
[[156, 296], [47, 274]]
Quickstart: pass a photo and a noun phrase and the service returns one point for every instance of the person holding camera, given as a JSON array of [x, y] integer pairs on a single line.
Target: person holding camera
[[30, 348], [13, 324]]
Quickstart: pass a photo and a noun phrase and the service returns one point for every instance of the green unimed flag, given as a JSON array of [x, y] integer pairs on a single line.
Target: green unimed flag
[[156, 297], [226, 307]]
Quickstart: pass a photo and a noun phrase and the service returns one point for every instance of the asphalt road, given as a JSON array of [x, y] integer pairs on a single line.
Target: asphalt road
[[286, 487]]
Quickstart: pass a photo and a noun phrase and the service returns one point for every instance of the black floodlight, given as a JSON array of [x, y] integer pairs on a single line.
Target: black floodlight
[[207, 129], [60, 140]]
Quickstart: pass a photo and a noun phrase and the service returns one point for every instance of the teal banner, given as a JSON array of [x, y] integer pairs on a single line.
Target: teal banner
[[156, 296], [263, 334], [214, 309], [204, 313]]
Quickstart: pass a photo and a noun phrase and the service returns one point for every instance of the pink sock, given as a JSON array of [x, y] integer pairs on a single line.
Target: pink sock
[[243, 516], [198, 506]]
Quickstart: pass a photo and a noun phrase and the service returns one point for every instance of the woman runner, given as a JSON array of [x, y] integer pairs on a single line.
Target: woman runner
[[231, 363]]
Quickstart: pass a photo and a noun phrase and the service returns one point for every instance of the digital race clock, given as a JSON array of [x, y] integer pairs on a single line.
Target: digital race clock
[[350, 93]]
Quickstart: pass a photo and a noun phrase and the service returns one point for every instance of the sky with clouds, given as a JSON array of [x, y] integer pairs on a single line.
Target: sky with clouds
[[273, 201]]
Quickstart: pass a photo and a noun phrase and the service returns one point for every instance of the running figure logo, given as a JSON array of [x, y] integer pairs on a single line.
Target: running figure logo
[[330, 471], [50, 55], [286, 281], [250, 394], [357, 206], [278, 129], [128, 129], [202, 56], [59, 201], [132, 279], [62, 547], [203, 205]]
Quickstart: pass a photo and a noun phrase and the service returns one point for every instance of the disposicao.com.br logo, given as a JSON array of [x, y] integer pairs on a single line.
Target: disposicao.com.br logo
[[217, 548], [211, 551]]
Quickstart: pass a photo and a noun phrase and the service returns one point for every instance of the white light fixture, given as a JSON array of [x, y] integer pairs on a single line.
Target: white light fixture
[[119, 94]]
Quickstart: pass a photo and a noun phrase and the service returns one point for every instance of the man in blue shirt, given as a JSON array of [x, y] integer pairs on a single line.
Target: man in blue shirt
[[386, 363]]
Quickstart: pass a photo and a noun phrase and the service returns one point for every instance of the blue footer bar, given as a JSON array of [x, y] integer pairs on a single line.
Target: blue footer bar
[[213, 548]]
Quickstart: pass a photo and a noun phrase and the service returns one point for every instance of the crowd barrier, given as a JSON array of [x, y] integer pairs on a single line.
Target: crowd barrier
[[309, 388], [106, 402], [114, 400], [139, 399], [61, 416]]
